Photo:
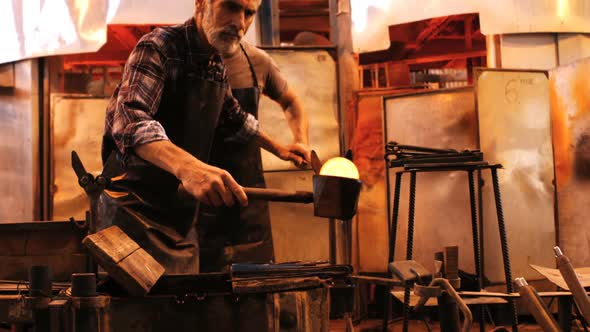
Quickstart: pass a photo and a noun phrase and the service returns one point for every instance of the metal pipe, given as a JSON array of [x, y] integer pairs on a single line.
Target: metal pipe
[[536, 306], [569, 274]]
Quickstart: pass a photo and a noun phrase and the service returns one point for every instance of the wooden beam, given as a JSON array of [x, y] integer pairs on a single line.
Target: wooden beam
[[7, 75], [442, 57], [469, 33], [268, 16], [311, 23]]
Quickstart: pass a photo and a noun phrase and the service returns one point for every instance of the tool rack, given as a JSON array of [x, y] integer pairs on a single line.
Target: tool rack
[[414, 160]]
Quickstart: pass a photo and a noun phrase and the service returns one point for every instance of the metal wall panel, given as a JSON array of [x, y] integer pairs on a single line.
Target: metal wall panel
[[297, 234], [515, 131], [570, 118], [368, 151], [441, 119], [19, 162], [312, 74], [77, 123]]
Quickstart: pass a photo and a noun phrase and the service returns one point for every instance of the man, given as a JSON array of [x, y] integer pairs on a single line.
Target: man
[[161, 121], [243, 234]]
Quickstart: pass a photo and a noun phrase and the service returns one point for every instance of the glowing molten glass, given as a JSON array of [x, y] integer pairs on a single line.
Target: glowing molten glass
[[341, 167]]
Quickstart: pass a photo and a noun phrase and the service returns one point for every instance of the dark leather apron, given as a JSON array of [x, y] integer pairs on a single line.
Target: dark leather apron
[[230, 235], [144, 201]]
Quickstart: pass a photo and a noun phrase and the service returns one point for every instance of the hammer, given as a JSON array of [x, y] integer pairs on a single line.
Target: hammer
[[333, 196]]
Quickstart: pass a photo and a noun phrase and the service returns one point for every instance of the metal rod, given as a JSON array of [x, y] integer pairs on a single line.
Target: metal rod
[[476, 248], [504, 245]]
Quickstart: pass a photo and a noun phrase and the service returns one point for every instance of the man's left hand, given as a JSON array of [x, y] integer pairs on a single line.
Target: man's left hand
[[297, 153]]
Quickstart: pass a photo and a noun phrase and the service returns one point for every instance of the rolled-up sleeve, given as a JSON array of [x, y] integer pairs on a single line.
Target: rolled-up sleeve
[[235, 124], [138, 99]]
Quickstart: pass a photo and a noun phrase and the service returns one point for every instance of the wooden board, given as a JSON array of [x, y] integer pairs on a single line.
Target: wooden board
[[57, 244], [569, 88], [132, 267], [515, 131]]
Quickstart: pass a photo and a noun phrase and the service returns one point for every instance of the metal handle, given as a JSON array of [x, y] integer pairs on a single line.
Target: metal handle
[[276, 195]]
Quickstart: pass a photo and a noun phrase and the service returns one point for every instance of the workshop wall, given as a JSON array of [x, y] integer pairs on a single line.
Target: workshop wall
[[19, 160], [570, 104]]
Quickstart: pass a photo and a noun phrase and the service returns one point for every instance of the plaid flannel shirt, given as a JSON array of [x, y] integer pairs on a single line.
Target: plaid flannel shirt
[[155, 62]]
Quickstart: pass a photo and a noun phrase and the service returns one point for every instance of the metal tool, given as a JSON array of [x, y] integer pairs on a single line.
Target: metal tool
[[316, 163], [94, 186], [448, 296], [536, 306], [332, 196], [409, 156], [569, 275]]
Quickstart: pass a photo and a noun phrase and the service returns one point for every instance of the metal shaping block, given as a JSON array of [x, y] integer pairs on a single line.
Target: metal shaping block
[[441, 119], [335, 197]]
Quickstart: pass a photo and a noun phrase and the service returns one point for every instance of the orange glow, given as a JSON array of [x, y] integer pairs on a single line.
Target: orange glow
[[340, 167], [561, 137]]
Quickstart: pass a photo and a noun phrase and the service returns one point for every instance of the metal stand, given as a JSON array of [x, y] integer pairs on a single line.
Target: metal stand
[[476, 231]]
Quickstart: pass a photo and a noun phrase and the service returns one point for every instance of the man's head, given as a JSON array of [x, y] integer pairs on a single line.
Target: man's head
[[224, 22]]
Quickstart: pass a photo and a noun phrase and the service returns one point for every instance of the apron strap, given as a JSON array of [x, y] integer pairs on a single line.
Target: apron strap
[[254, 79]]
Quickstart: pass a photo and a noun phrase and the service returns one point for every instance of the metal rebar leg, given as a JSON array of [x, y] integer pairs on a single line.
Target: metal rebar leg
[[410, 245], [504, 244], [476, 251], [392, 241]]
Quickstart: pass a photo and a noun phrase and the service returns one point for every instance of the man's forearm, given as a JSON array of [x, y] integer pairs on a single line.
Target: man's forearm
[[296, 118], [209, 184], [167, 156]]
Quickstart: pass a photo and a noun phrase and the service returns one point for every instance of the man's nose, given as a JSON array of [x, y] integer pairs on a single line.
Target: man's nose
[[240, 22]]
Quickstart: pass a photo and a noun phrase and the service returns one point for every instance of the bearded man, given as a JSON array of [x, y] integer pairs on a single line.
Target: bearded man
[[243, 234], [173, 99]]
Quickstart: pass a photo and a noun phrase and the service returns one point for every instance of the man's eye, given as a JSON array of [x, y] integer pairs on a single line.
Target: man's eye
[[250, 13], [232, 6]]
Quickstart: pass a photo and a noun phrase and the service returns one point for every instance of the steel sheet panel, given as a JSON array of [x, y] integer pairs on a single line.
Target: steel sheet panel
[[515, 131], [19, 163], [320, 100], [439, 119], [570, 118], [77, 123], [297, 234]]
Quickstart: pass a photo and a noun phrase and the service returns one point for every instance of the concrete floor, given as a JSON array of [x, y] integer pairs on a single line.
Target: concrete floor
[[374, 325]]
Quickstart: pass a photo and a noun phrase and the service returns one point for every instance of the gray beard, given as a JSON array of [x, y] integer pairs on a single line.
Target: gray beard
[[214, 35]]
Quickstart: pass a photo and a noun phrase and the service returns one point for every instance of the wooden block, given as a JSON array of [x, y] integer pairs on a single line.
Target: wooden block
[[451, 262], [125, 261]]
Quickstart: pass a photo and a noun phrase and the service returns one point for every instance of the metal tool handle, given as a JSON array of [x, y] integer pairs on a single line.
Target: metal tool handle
[[571, 278], [276, 195], [536, 306]]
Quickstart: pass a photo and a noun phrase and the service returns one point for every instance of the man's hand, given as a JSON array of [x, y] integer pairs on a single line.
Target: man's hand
[[208, 184], [298, 153], [213, 186]]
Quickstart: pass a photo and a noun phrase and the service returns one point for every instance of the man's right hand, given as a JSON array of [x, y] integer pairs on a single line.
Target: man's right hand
[[208, 184], [213, 186]]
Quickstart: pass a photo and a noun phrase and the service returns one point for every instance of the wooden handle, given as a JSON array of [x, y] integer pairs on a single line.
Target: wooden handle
[[275, 195]]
